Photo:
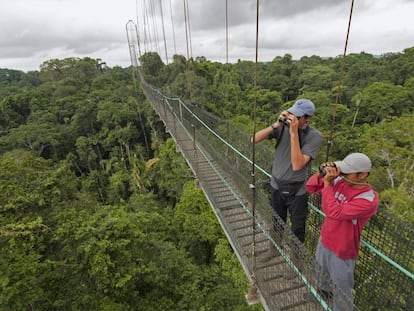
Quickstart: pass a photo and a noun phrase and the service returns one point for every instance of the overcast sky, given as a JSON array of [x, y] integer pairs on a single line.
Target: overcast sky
[[34, 31]]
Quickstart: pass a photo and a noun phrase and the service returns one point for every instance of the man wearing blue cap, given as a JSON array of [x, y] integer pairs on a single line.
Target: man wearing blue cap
[[297, 144]]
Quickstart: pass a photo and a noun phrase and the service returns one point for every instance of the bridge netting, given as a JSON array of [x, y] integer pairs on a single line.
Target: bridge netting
[[384, 277]]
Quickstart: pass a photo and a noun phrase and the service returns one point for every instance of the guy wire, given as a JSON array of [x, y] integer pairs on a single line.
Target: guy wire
[[338, 93]]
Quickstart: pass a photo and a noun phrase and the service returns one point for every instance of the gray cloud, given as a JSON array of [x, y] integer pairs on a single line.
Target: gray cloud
[[34, 31]]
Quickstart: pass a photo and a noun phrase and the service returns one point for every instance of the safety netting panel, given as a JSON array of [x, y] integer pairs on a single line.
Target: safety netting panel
[[384, 271]]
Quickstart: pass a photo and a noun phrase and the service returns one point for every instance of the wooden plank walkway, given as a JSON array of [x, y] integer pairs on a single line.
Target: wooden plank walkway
[[274, 290]]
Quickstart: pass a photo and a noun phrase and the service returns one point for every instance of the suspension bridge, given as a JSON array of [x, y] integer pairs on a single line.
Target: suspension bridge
[[236, 187], [217, 153]]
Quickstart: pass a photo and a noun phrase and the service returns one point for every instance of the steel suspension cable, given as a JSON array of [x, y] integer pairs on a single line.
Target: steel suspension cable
[[186, 29], [155, 28], [172, 26], [147, 32], [163, 32], [189, 28], [338, 91], [253, 288], [133, 42], [227, 53], [137, 28]]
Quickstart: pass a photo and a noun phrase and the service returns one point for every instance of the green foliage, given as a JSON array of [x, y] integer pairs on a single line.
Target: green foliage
[[380, 100], [10, 75], [268, 104], [91, 228], [228, 261], [399, 202], [35, 137], [152, 68], [317, 77], [75, 69], [196, 224], [172, 168], [390, 145], [100, 212], [31, 189]]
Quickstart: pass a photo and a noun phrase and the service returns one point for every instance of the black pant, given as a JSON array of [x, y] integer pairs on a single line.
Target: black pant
[[298, 211]]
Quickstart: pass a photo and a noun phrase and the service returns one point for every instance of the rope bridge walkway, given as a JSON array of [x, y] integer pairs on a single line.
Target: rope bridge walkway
[[217, 153]]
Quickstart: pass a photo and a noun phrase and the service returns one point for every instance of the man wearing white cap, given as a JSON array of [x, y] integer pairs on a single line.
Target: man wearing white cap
[[348, 201], [297, 144]]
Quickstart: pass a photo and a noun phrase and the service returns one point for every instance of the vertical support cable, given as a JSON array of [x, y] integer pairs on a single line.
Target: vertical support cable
[[227, 36], [189, 28], [137, 27], [188, 44], [172, 26], [252, 296], [133, 42], [227, 71], [186, 28], [147, 32], [155, 27], [163, 32], [338, 91]]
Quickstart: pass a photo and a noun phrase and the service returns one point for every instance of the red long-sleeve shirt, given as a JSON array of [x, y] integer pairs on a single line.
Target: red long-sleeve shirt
[[347, 210]]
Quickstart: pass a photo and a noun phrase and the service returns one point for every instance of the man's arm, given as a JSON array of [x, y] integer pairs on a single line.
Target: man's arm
[[356, 208], [314, 184], [298, 159], [264, 133]]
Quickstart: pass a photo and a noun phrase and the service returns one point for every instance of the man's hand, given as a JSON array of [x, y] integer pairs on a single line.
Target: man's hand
[[283, 116], [293, 123], [331, 173]]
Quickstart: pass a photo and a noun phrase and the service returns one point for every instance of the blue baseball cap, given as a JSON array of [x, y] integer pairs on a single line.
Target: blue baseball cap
[[302, 107]]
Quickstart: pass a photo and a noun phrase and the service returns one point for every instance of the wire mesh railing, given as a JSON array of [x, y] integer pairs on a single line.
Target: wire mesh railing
[[383, 277]]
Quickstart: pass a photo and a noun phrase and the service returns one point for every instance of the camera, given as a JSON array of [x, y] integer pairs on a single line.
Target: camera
[[322, 170], [284, 121]]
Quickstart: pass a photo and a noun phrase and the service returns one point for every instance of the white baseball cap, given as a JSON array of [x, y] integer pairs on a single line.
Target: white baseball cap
[[354, 163]]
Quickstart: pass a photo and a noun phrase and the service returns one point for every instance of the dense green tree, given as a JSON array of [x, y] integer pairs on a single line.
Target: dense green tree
[[190, 87], [15, 109], [402, 66], [32, 189], [245, 73], [172, 168], [381, 100], [196, 224], [390, 145], [179, 65], [268, 104], [363, 69], [275, 78], [317, 78], [10, 75], [39, 137], [82, 70], [153, 69]]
